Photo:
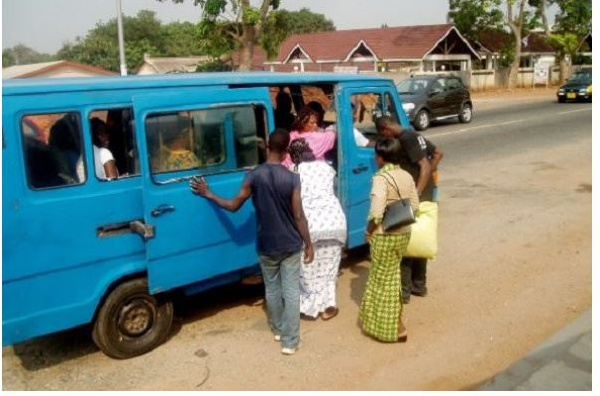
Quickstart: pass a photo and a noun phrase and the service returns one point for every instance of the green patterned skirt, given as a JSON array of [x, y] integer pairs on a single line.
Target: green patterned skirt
[[382, 304]]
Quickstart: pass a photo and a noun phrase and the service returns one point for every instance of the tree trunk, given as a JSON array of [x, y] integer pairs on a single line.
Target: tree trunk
[[542, 11], [516, 26], [247, 52], [563, 69], [513, 76]]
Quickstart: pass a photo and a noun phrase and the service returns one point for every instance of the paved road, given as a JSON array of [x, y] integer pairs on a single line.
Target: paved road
[[561, 363], [516, 186]]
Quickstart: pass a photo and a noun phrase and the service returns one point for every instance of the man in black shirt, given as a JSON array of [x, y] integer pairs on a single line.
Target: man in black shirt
[[281, 230], [419, 157]]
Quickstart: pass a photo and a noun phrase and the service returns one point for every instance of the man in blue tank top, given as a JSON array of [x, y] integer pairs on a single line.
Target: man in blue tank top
[[282, 229]]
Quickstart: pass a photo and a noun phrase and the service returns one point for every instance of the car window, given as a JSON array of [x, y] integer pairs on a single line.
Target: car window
[[453, 83], [582, 76], [438, 85], [413, 86]]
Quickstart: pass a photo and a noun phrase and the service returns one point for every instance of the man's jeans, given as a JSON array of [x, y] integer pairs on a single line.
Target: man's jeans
[[281, 275], [413, 272]]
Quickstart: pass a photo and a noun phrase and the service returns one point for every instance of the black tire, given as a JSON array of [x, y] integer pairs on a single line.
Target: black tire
[[131, 322], [466, 113], [422, 120], [561, 99]]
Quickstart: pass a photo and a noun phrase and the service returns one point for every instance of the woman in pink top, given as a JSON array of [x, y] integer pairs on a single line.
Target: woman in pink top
[[306, 126]]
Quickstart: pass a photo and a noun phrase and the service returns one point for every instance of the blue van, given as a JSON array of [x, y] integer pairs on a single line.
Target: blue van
[[78, 247]]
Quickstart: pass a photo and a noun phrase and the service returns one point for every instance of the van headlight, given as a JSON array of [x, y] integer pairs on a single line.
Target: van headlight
[[408, 107]]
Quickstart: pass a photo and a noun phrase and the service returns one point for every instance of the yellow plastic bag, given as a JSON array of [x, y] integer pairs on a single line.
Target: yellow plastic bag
[[423, 236]]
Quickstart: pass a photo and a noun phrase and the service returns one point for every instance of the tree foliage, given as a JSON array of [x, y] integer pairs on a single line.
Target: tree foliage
[[572, 25], [22, 55], [283, 23], [238, 19], [143, 34], [473, 17], [575, 16]]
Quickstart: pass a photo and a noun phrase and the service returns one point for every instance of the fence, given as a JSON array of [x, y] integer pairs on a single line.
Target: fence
[[481, 80]]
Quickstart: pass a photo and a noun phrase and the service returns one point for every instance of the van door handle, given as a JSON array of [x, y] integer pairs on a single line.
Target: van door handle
[[162, 209], [126, 227], [146, 231], [359, 169]]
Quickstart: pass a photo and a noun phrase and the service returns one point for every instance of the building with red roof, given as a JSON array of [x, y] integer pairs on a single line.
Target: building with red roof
[[402, 48]]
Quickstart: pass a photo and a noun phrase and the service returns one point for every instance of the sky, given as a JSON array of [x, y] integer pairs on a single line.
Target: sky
[[45, 25]]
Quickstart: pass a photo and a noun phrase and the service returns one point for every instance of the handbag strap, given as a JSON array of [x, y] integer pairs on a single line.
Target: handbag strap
[[394, 181]]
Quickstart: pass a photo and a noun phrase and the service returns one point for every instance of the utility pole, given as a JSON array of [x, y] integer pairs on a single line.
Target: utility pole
[[121, 44]]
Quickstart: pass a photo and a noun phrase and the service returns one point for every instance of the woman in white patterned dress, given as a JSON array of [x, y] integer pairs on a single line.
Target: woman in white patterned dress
[[327, 227]]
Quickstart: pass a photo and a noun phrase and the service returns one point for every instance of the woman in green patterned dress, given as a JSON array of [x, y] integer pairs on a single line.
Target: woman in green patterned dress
[[381, 307]]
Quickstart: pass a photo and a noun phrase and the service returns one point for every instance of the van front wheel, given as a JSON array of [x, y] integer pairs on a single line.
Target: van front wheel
[[131, 322]]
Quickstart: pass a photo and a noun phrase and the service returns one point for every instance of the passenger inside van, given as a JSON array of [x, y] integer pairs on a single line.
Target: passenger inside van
[[119, 124], [104, 162], [64, 141], [178, 153], [284, 118]]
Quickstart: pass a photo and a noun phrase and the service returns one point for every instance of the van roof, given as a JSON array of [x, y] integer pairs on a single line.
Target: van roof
[[47, 85]]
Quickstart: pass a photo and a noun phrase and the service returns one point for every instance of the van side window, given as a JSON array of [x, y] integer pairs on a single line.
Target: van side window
[[390, 107], [119, 140], [367, 108], [214, 140], [53, 150]]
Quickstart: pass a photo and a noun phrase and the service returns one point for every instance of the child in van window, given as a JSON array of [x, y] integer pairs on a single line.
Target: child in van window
[[104, 162]]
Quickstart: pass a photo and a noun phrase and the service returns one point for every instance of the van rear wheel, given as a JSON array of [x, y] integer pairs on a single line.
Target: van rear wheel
[[131, 322]]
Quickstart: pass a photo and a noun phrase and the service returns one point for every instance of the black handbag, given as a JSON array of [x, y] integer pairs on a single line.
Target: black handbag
[[398, 213]]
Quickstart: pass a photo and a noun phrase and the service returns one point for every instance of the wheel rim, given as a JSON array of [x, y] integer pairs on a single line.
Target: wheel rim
[[423, 120], [466, 113], [136, 318]]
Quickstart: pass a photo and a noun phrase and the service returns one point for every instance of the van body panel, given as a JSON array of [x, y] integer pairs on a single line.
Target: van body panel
[[53, 257], [60, 300]]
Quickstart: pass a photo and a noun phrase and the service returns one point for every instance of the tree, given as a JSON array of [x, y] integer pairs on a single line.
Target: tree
[[143, 34], [541, 6], [246, 22], [516, 24], [283, 23], [182, 38], [473, 17], [22, 55], [100, 46], [572, 25]]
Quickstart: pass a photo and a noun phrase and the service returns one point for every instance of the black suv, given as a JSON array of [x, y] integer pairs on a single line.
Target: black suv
[[429, 98]]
